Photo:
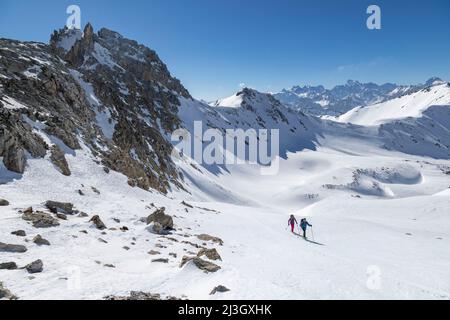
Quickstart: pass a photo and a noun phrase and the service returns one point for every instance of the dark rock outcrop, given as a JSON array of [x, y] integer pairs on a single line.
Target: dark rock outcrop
[[35, 267], [59, 160], [19, 233], [61, 207], [5, 293], [98, 222], [207, 237], [8, 266], [40, 241], [220, 289], [211, 254], [4, 203], [200, 263], [12, 248], [40, 219], [159, 216]]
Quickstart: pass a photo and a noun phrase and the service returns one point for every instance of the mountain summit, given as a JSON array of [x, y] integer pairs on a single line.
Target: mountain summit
[[91, 90]]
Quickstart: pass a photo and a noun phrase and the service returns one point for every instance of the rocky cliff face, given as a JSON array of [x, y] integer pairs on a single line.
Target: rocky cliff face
[[95, 90]]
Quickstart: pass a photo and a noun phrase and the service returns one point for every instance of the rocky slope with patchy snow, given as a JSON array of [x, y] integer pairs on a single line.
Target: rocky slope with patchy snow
[[102, 90]]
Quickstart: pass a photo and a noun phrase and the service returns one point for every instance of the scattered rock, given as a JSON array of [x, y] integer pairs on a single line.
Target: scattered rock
[[101, 240], [193, 244], [61, 216], [219, 289], [158, 245], [35, 267], [126, 248], [59, 207], [19, 233], [83, 215], [41, 241], [95, 190], [84, 231], [108, 265], [211, 254], [136, 296], [187, 204], [207, 237], [28, 210], [173, 254], [200, 263], [80, 192], [4, 203], [157, 228], [154, 253], [12, 248], [5, 293], [8, 266], [124, 229], [40, 219], [162, 218], [161, 260], [98, 222], [116, 220]]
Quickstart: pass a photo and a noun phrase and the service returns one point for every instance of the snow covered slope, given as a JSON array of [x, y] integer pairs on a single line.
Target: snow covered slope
[[378, 200], [411, 105]]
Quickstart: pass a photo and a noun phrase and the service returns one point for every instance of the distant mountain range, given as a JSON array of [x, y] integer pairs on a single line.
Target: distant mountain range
[[319, 101]]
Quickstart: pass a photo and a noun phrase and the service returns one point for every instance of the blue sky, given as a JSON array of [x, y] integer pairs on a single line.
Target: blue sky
[[214, 46]]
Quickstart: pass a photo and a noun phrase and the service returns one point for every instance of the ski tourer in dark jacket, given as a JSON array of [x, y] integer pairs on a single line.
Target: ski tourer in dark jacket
[[292, 222], [304, 224]]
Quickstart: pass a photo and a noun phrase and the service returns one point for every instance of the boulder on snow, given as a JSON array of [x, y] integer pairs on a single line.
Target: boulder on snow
[[59, 207], [98, 222], [40, 219], [157, 228], [219, 289], [200, 263], [8, 266], [162, 218], [61, 216], [161, 260], [19, 233], [40, 241], [207, 237], [35, 267], [211, 254], [12, 248], [136, 296], [5, 293], [4, 203]]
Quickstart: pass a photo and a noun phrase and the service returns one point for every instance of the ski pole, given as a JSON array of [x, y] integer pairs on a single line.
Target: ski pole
[[312, 232]]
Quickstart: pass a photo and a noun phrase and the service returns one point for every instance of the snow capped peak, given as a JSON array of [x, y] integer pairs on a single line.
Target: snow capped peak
[[319, 101], [245, 97], [409, 105], [434, 81]]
